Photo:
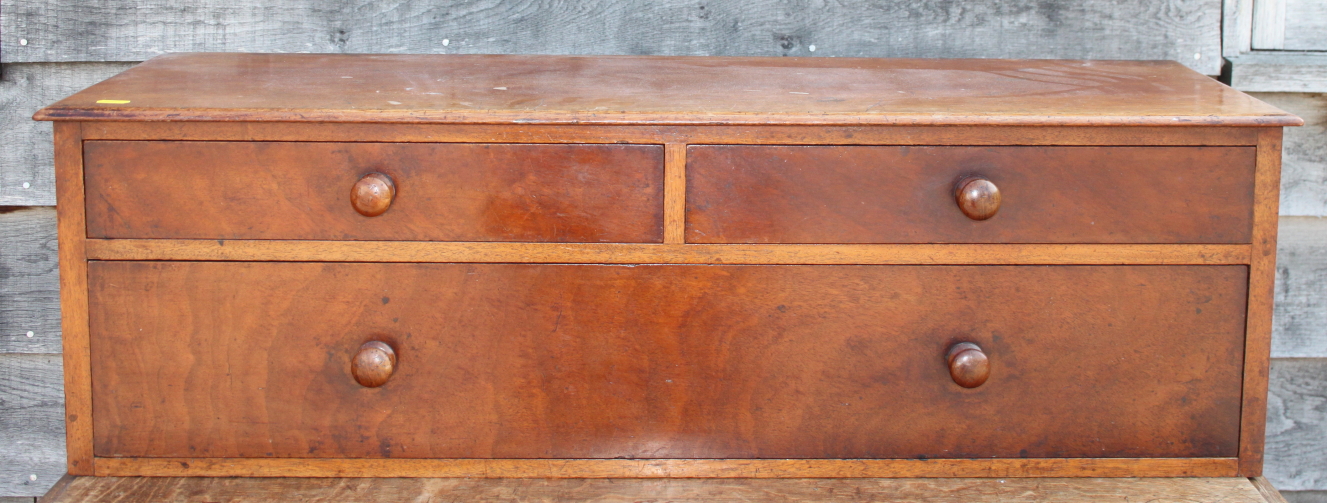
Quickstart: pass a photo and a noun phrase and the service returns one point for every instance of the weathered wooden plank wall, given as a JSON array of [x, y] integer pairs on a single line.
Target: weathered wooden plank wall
[[52, 48], [87, 30], [32, 430], [26, 171]]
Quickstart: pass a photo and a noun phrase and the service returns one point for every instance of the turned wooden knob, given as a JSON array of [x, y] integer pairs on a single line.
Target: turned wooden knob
[[968, 365], [373, 364], [978, 198], [373, 194]]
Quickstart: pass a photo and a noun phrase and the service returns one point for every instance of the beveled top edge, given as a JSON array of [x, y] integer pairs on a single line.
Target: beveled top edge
[[662, 90]]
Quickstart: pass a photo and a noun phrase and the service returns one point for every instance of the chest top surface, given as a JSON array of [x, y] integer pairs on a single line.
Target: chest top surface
[[498, 89]]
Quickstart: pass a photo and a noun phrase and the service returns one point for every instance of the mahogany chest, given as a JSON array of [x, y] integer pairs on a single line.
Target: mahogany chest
[[663, 267]]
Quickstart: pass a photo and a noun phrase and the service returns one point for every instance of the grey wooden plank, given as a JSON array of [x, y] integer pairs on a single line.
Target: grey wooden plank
[[1304, 154], [17, 499], [1236, 27], [27, 176], [29, 281], [1279, 72], [1305, 496], [1296, 455], [89, 30], [32, 453], [1269, 24], [1306, 25], [1300, 319]]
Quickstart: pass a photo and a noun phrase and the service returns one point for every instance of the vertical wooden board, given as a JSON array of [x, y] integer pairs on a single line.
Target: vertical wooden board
[[675, 193], [29, 281], [74, 296], [1300, 322], [1262, 278], [1297, 424], [26, 156], [31, 424], [1305, 25], [87, 30], [1304, 158], [1269, 24], [1236, 27]]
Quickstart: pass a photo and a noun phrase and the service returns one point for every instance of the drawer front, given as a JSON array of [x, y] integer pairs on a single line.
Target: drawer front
[[216, 359], [443, 192], [842, 194]]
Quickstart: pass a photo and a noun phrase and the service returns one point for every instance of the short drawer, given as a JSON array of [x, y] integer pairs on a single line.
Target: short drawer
[[895, 194], [217, 359], [442, 192]]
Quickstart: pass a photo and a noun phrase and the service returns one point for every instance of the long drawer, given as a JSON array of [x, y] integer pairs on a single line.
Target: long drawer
[[424, 191], [882, 194], [218, 359]]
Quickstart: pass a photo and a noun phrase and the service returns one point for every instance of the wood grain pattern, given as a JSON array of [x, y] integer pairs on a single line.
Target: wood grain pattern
[[1297, 423], [675, 192], [1305, 26], [74, 297], [26, 156], [1279, 72], [608, 253], [560, 361], [1133, 29], [667, 468], [31, 423], [496, 89], [770, 134], [1303, 155], [1266, 490], [1262, 282], [1301, 289], [805, 194], [445, 192], [29, 281], [240, 490]]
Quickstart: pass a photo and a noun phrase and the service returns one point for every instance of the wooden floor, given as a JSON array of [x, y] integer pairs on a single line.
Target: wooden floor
[[347, 490]]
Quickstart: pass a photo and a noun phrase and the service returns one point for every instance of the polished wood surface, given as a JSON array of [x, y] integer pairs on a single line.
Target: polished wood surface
[[977, 197], [372, 194], [74, 298], [1262, 283], [446, 192], [1214, 136], [610, 253], [969, 366], [374, 364], [841, 194], [498, 89], [666, 468], [960, 490], [376, 266], [675, 190], [559, 361]]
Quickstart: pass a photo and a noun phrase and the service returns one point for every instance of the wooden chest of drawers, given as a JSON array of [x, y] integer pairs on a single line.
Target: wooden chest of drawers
[[586, 267]]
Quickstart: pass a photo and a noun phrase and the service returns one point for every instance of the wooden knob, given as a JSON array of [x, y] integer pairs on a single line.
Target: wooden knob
[[373, 194], [968, 365], [978, 198], [373, 364]]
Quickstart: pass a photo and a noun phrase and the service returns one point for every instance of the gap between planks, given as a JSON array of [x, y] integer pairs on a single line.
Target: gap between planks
[[615, 253]]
